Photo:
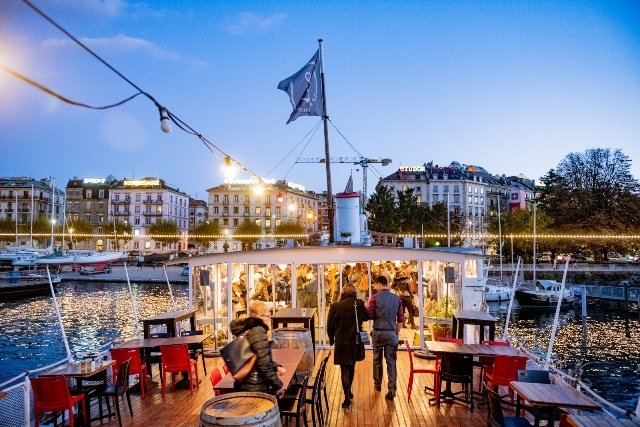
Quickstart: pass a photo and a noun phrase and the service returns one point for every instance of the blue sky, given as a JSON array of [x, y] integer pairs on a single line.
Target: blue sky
[[513, 86]]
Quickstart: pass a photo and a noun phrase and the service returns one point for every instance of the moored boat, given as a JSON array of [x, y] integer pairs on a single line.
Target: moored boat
[[545, 295], [98, 257], [17, 284]]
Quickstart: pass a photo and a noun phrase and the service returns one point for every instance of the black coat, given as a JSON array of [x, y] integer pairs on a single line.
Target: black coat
[[263, 376], [341, 328]]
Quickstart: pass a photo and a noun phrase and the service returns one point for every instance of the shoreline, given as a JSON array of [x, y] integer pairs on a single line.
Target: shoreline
[[147, 274]]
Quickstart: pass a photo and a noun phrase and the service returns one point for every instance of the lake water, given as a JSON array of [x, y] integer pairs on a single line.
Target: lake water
[[94, 314]]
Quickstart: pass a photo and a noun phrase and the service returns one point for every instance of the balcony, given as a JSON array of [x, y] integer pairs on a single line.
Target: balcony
[[148, 202], [24, 210], [121, 214], [116, 202]]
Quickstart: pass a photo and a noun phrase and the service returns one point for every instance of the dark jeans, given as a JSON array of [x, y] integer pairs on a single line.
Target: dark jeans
[[385, 343], [407, 302], [347, 373]]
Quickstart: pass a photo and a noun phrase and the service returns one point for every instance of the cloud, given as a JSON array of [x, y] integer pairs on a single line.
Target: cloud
[[247, 22], [123, 45], [123, 132]]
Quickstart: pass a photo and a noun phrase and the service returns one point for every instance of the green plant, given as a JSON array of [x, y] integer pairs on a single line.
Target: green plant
[[442, 308], [346, 234]]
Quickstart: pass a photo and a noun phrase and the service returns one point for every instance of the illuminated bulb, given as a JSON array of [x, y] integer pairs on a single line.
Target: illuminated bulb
[[165, 124]]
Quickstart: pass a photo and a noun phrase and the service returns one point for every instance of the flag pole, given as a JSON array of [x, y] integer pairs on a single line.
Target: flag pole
[[325, 119]]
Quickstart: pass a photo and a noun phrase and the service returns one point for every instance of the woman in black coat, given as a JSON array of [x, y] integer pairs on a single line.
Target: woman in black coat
[[342, 330]]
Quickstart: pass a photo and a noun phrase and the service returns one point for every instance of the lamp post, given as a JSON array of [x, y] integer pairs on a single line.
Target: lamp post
[[225, 246]]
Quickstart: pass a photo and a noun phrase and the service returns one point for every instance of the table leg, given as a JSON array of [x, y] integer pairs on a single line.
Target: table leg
[[454, 328], [481, 333], [312, 324], [492, 331]]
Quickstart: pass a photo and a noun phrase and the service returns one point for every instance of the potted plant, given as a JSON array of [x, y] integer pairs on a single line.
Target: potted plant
[[346, 236], [440, 317]]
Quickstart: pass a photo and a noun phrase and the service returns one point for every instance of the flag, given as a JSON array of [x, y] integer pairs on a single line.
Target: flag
[[305, 90], [349, 187]]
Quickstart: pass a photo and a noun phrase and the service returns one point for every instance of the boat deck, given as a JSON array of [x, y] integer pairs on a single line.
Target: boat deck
[[369, 407]]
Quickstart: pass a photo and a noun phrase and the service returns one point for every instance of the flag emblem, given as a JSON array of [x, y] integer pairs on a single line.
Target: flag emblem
[[305, 90]]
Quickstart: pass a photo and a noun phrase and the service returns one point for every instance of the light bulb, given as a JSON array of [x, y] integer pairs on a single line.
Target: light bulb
[[165, 124]]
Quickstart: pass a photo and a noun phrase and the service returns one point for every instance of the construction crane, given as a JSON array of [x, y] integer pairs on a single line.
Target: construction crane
[[362, 161]]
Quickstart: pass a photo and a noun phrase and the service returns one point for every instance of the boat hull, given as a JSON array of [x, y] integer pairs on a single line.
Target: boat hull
[[17, 288], [533, 299]]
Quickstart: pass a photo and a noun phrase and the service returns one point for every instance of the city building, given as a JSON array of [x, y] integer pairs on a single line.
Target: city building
[[198, 212], [88, 200], [141, 203], [25, 200], [267, 205], [469, 191]]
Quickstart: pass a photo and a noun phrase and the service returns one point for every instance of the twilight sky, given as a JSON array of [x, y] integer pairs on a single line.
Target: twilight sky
[[513, 86]]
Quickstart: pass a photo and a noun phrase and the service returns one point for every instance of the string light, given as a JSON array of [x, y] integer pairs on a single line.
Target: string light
[[165, 124]]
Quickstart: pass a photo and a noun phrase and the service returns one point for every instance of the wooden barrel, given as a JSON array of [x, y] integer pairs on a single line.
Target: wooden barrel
[[241, 409], [296, 338]]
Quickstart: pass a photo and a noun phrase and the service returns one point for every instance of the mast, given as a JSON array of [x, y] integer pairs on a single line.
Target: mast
[[31, 232], [325, 119], [53, 209]]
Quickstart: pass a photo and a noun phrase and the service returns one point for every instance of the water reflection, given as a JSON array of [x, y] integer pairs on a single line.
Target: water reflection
[[609, 345], [93, 315]]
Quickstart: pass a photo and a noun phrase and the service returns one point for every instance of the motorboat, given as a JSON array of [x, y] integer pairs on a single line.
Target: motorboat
[[545, 295], [497, 292], [17, 284]]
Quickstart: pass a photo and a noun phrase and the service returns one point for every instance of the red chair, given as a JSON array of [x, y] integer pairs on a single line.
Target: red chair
[[175, 358], [135, 368], [505, 369], [453, 340], [215, 378], [485, 361], [433, 369], [51, 394]]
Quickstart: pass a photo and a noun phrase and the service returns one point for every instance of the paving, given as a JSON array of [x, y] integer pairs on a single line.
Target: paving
[[146, 274]]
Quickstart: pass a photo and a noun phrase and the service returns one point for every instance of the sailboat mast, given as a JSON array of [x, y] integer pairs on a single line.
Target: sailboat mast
[[53, 209], [325, 119], [31, 232]]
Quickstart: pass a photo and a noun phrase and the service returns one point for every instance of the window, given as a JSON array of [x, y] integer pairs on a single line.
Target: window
[[136, 245], [247, 198], [278, 222], [138, 197], [100, 194], [116, 197], [225, 222], [76, 206], [147, 245], [159, 210], [469, 189], [236, 198], [267, 223], [157, 245], [246, 210], [236, 210], [136, 220], [100, 205], [136, 208], [225, 199], [235, 222], [147, 221], [148, 197], [278, 210], [434, 199], [267, 211], [482, 200], [258, 199], [159, 199], [88, 206], [435, 188], [101, 218], [456, 198], [445, 188], [258, 223], [481, 190], [475, 199], [215, 198], [456, 189], [127, 197], [88, 194], [258, 210], [87, 217], [136, 232], [215, 209], [470, 199]]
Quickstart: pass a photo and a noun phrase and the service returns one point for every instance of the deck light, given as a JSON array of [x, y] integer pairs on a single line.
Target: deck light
[[165, 124]]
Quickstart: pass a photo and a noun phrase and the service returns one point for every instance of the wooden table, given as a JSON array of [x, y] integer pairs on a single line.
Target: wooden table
[[494, 350], [306, 316], [288, 358], [551, 396], [451, 347], [170, 319], [583, 421], [473, 317]]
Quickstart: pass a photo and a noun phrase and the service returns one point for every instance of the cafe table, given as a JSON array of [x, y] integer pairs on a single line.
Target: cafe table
[[461, 318], [170, 319], [290, 316], [288, 358], [551, 396], [586, 421]]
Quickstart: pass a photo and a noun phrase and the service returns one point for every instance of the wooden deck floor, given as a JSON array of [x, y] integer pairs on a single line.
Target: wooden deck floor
[[369, 407]]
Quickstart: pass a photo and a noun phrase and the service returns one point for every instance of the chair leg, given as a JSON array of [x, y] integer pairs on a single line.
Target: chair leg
[[204, 365], [410, 386], [129, 402], [118, 409]]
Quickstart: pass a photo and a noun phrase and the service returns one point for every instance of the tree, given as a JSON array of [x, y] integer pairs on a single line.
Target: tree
[[204, 233], [381, 208], [594, 190], [164, 231], [290, 228], [7, 230], [249, 233], [408, 212], [123, 230], [438, 221], [82, 231]]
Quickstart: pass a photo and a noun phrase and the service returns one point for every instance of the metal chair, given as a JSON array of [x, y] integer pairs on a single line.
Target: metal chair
[[195, 352], [51, 394], [457, 368], [175, 358], [542, 377], [295, 407], [486, 362], [116, 391], [153, 355], [432, 369], [314, 393], [135, 368], [496, 417]]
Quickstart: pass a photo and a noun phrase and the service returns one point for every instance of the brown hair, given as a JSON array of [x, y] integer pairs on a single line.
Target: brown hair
[[347, 289]]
